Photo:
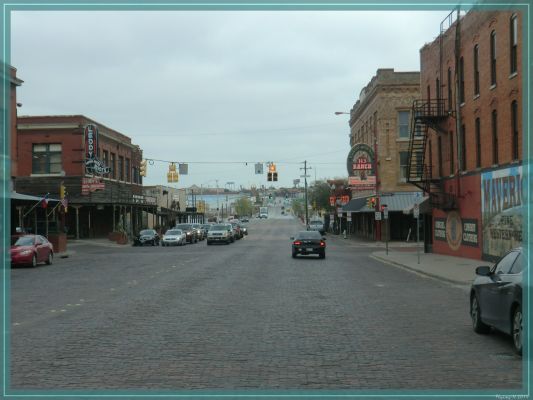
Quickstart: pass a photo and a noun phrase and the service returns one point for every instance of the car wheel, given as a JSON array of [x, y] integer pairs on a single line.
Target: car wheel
[[34, 261], [208, 242], [322, 254], [50, 259], [517, 330], [293, 254], [475, 314]]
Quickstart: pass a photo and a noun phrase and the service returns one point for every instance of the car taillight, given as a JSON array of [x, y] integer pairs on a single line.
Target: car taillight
[[322, 243], [297, 243]]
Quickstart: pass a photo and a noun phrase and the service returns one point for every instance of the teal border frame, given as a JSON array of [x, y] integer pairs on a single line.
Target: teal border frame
[[219, 5]]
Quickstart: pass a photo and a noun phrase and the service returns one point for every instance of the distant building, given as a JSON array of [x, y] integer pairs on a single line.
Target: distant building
[[380, 127], [467, 138], [171, 203], [53, 150]]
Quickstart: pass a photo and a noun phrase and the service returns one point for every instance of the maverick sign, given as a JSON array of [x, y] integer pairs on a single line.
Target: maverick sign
[[361, 169], [92, 164]]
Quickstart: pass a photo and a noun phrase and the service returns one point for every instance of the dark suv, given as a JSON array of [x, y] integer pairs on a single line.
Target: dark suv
[[190, 233]]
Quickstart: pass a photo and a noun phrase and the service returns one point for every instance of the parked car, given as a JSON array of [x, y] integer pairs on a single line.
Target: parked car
[[237, 229], [308, 242], [146, 236], [31, 250], [190, 233], [245, 219], [220, 233], [496, 297], [200, 231], [174, 237], [316, 225]]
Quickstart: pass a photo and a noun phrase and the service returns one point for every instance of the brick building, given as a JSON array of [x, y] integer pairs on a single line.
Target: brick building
[[466, 140], [52, 150], [380, 128]]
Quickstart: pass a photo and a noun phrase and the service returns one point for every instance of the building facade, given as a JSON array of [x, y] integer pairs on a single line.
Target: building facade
[[380, 130], [171, 207], [466, 142], [99, 168]]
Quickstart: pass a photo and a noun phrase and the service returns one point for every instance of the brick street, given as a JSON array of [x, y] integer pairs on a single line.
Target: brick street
[[245, 316]]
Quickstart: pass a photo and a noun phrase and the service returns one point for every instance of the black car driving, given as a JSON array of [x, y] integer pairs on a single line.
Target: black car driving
[[496, 297], [146, 236], [190, 233], [308, 242]]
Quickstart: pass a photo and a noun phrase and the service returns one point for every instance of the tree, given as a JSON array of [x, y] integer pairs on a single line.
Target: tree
[[243, 206], [319, 194]]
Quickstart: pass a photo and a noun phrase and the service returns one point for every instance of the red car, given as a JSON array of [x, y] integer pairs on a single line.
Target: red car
[[31, 250]]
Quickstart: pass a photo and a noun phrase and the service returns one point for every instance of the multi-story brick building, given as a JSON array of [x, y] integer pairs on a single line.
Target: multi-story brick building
[[380, 127], [53, 150], [466, 142]]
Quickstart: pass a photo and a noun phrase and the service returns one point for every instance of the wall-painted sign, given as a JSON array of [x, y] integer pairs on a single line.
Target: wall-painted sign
[[501, 210], [360, 165], [92, 164], [455, 231]]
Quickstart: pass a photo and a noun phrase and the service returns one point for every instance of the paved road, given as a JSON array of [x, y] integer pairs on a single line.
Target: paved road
[[245, 316]]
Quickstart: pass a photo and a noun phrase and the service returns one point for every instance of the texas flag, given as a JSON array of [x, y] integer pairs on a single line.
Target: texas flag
[[44, 201]]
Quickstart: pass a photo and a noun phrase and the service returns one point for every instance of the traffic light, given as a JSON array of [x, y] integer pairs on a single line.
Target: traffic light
[[143, 168], [269, 177], [371, 202], [172, 175], [275, 176], [62, 191]]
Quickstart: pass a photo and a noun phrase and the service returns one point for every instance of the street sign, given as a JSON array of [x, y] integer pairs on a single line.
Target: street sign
[[416, 210], [386, 213], [378, 215], [259, 168], [349, 217]]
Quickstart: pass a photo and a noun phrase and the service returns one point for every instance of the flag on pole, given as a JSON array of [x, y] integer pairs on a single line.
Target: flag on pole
[[44, 201]]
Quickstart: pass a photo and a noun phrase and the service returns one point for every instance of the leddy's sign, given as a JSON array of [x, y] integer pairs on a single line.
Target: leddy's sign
[[360, 165], [92, 164]]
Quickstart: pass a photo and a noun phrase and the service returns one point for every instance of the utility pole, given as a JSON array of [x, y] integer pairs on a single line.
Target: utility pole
[[305, 176]]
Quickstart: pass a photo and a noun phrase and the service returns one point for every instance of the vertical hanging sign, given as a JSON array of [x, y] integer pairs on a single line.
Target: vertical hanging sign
[[92, 164]]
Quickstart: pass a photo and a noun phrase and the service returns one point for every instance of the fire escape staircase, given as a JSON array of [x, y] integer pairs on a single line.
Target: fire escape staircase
[[427, 114]]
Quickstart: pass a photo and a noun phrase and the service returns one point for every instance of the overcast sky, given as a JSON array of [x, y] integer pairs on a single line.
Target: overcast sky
[[216, 86]]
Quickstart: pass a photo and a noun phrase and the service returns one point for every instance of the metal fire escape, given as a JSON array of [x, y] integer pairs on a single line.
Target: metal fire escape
[[428, 114]]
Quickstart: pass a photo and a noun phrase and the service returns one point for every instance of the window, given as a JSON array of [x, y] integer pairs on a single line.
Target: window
[[476, 70], [120, 168], [478, 143], [461, 80], [449, 88], [404, 159], [439, 149], [514, 127], [505, 264], [494, 137], [113, 166], [403, 124], [451, 154], [493, 58], [514, 44], [46, 159], [128, 170], [518, 265], [438, 97], [106, 158], [463, 148]]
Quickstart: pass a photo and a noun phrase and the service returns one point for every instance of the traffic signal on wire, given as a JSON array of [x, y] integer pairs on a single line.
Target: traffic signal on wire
[[269, 177], [143, 168]]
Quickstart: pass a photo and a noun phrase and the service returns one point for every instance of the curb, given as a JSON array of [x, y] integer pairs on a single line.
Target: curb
[[414, 270]]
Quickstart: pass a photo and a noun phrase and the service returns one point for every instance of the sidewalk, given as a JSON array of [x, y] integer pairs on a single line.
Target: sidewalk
[[456, 270], [102, 242]]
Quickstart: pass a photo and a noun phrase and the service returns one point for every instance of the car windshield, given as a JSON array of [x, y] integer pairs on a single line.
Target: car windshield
[[147, 232], [219, 228], [24, 241], [308, 235], [173, 232], [185, 227]]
